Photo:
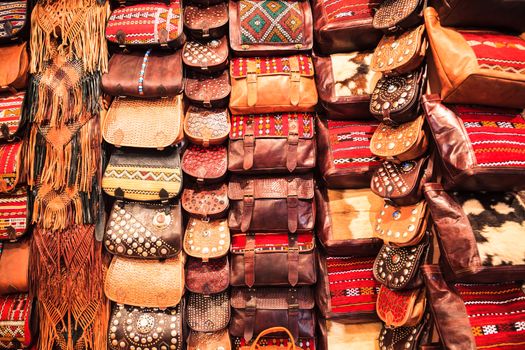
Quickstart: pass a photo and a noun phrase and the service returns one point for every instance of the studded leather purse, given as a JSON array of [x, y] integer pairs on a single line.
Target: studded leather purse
[[254, 310], [407, 141], [219, 340], [161, 25], [401, 308], [255, 200], [205, 90], [14, 267], [207, 239], [15, 67], [207, 277], [282, 142], [125, 125], [395, 99], [205, 164], [143, 175], [206, 126], [14, 19], [15, 215], [12, 120], [17, 317], [210, 22], [144, 230], [144, 74], [138, 327], [11, 172], [395, 15], [406, 338], [206, 202], [254, 257], [206, 56], [208, 313]]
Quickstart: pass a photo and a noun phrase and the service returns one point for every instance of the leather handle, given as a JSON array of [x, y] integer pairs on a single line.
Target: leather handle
[[295, 81], [270, 331]]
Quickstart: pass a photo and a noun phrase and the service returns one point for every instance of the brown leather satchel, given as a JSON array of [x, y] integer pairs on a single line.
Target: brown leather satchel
[[255, 256], [14, 267], [395, 15], [407, 338], [281, 142], [207, 277], [209, 340], [272, 84], [207, 56], [345, 83], [256, 30], [205, 164], [208, 22], [254, 310], [206, 202], [255, 200], [402, 308], [208, 313], [210, 91], [207, 239], [15, 67], [206, 126], [345, 221], [144, 230], [144, 74]]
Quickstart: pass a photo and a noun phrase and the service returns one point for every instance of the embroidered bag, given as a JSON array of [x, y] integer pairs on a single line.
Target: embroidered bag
[[270, 27], [207, 56], [15, 67], [272, 84], [255, 256], [207, 239], [345, 83], [209, 340], [206, 202], [205, 164], [12, 119], [15, 214], [210, 22], [14, 20], [280, 341], [206, 126], [486, 68], [10, 172], [160, 25], [14, 267], [208, 90], [16, 317], [406, 338], [401, 308], [144, 74], [347, 290], [207, 277], [395, 15], [258, 343], [280, 142], [125, 125], [208, 313]]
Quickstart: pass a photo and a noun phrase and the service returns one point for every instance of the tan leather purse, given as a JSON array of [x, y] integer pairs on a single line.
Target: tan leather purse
[[206, 202], [207, 239], [14, 265], [208, 313], [15, 67], [126, 123], [272, 84], [206, 126], [402, 308], [219, 340], [208, 56]]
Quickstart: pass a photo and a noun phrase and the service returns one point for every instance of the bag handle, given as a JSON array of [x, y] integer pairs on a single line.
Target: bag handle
[[273, 330]]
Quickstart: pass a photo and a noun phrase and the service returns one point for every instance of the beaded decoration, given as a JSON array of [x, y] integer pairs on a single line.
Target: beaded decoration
[[143, 71]]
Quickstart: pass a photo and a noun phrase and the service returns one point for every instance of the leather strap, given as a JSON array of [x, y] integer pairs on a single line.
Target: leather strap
[[251, 80], [293, 259], [295, 81], [293, 141], [249, 260], [251, 308], [293, 313], [248, 145], [292, 201], [247, 209]]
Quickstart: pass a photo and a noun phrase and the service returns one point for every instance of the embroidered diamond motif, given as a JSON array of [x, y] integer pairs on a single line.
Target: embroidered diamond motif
[[257, 23], [520, 326], [490, 329], [352, 292]]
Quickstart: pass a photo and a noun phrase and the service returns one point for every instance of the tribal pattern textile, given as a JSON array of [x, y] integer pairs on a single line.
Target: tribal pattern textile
[[14, 13], [13, 214], [10, 166], [11, 111], [302, 343], [500, 52], [272, 125], [350, 143], [272, 242], [15, 317], [344, 10], [496, 313], [271, 22], [271, 65], [353, 289]]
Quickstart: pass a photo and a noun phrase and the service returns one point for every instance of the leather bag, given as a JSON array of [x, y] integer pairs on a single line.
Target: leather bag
[[209, 22], [17, 318], [14, 267], [205, 164], [11, 159], [208, 90], [272, 84], [345, 83], [485, 68], [15, 67], [331, 334], [255, 256], [401, 308], [125, 124], [256, 30], [144, 74], [12, 120], [206, 202], [257, 342], [143, 175], [144, 230], [206, 126], [344, 155], [344, 26], [207, 277], [346, 221], [254, 310], [161, 25], [137, 327], [206, 56], [255, 200], [207, 239], [209, 340], [14, 19], [282, 142], [406, 338], [208, 313], [394, 15], [487, 226], [15, 215]]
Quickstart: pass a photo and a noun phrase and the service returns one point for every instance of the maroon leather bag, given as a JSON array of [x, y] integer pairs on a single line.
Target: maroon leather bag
[[210, 22], [208, 91], [210, 277], [255, 201], [205, 164], [255, 256]]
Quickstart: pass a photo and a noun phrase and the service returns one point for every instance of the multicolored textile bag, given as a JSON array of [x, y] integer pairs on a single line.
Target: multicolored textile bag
[[10, 172], [13, 20], [12, 119], [15, 214], [16, 321]]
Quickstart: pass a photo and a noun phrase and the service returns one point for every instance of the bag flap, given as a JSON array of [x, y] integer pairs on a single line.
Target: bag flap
[[209, 340], [392, 12], [10, 160], [396, 308], [390, 141], [208, 313], [206, 54], [207, 239], [210, 277], [207, 126], [272, 243], [205, 163], [13, 16], [273, 125], [239, 67], [206, 88], [351, 74], [205, 18], [14, 214], [15, 59], [261, 187], [402, 225], [269, 298], [409, 336], [17, 313], [11, 113], [14, 267], [205, 201]]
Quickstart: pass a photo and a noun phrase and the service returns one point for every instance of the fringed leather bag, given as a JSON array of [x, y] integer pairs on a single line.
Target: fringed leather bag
[[13, 121], [15, 67], [14, 16]]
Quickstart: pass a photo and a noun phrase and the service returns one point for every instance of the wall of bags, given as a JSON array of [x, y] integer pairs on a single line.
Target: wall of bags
[[262, 174]]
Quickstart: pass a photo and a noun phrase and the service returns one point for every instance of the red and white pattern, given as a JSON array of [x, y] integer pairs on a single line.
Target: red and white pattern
[[13, 213], [11, 110], [9, 165], [15, 315], [344, 10], [302, 344], [14, 13], [272, 125], [272, 242], [271, 65]]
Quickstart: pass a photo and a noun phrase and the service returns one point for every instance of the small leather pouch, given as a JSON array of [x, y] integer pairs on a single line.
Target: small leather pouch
[[406, 338], [15, 20], [206, 126], [208, 313], [207, 277], [206, 56], [207, 239], [407, 141], [396, 99], [125, 124], [210, 91], [402, 308], [15, 214], [209, 22], [135, 327], [144, 230], [219, 340], [14, 267], [144, 74], [17, 318], [12, 121], [394, 15], [400, 53], [205, 164], [206, 202], [11, 159], [143, 175], [15, 67]]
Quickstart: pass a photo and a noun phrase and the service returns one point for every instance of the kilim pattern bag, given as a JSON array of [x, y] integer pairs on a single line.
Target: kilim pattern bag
[[207, 239], [272, 340], [209, 340], [394, 15], [259, 343], [270, 27], [16, 317], [208, 90], [406, 338], [209, 22], [14, 267], [208, 313], [207, 277], [15, 214], [205, 164], [14, 20], [10, 172], [206, 126], [206, 202], [281, 142], [402, 308], [347, 290], [12, 119], [14, 70], [137, 327], [206, 56]]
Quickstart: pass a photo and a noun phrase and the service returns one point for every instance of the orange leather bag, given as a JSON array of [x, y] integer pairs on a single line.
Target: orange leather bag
[[255, 345]]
